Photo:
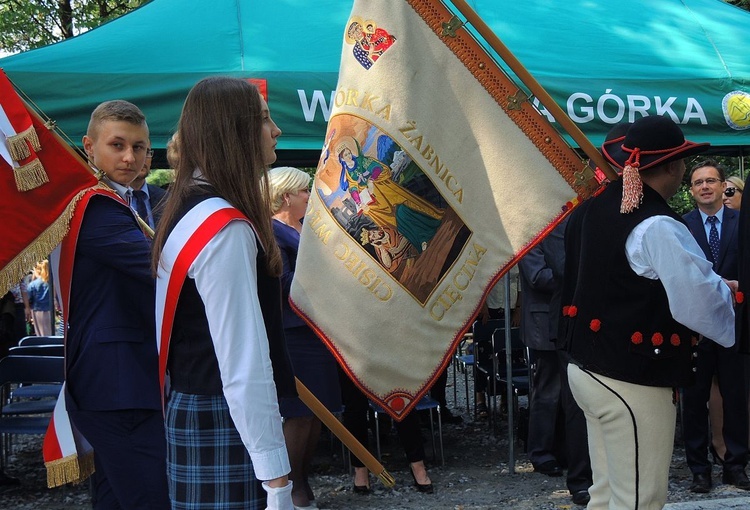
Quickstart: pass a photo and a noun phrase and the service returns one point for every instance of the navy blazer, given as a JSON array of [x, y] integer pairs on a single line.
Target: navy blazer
[[728, 263], [111, 357], [156, 197], [288, 241], [553, 247], [537, 286]]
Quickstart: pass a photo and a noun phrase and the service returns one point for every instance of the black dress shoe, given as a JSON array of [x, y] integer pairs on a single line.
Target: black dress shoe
[[736, 476], [701, 483], [446, 416], [422, 487], [361, 489], [549, 468], [581, 497], [8, 481]]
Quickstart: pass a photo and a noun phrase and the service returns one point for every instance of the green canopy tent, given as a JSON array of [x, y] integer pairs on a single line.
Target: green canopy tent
[[602, 62]]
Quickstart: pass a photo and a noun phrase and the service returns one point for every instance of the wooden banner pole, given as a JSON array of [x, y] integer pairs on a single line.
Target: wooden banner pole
[[344, 435], [570, 127]]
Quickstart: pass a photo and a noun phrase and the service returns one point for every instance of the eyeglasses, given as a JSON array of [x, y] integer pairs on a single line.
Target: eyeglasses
[[729, 192], [149, 153], [710, 181]]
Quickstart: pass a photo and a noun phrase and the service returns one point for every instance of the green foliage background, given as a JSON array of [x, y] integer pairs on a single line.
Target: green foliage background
[[26, 25]]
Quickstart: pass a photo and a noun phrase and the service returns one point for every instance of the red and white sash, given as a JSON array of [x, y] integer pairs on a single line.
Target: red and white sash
[[68, 457], [182, 247]]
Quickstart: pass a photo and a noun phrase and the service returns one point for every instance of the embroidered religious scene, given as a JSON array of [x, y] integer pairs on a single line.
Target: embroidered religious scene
[[386, 203], [368, 40]]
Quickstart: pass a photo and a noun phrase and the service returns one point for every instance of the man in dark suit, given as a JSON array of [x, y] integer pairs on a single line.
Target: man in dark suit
[[113, 396], [147, 198], [537, 284], [573, 422], [715, 228]]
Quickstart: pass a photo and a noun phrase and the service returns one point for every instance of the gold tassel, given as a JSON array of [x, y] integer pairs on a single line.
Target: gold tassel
[[40, 248], [632, 189], [70, 469], [30, 176], [19, 150]]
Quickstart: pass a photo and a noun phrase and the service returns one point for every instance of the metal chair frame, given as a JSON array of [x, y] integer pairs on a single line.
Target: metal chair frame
[[462, 362], [41, 340], [425, 403], [508, 345]]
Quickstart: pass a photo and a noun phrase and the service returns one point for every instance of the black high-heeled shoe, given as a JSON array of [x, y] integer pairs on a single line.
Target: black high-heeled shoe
[[361, 489], [426, 488]]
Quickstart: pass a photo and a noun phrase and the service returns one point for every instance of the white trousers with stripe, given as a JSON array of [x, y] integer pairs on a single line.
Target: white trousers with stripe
[[631, 436]]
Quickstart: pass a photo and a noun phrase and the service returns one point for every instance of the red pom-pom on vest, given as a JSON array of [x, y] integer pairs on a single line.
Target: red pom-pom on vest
[[595, 325], [675, 340], [573, 311], [739, 297], [657, 339], [637, 338]]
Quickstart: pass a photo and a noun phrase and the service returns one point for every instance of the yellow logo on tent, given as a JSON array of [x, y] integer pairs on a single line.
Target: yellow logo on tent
[[736, 107]]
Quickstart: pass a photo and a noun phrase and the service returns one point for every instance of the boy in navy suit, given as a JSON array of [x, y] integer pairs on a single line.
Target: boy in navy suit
[[113, 393]]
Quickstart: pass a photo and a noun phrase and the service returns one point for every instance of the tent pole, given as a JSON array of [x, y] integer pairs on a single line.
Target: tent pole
[[570, 127], [742, 162]]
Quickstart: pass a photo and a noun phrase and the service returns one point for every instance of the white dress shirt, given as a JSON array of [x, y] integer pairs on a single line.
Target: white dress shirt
[[661, 248], [226, 278]]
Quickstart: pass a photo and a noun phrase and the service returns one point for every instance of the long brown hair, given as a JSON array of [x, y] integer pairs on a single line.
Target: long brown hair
[[220, 134]]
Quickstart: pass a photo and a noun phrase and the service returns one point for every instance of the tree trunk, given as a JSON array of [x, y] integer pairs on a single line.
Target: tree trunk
[[65, 13]]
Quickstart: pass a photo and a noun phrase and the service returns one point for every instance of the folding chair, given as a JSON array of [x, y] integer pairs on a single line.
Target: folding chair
[[37, 390], [484, 356], [462, 361], [425, 403], [57, 350], [24, 369], [40, 340], [515, 362]]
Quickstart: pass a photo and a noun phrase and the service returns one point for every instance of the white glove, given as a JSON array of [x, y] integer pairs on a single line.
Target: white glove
[[279, 498]]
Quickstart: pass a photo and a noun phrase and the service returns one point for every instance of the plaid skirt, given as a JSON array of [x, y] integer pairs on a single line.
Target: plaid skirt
[[207, 465]]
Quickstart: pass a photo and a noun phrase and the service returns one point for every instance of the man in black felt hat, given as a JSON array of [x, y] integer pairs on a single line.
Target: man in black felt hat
[[643, 286]]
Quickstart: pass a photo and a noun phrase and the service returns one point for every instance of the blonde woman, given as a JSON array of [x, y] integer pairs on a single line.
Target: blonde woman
[[39, 299], [312, 362], [733, 192]]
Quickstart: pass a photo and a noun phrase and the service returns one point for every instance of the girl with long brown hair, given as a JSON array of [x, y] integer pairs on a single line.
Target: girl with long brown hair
[[218, 306]]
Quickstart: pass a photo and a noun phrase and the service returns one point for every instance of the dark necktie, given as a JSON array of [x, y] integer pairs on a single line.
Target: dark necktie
[[713, 238], [140, 205]]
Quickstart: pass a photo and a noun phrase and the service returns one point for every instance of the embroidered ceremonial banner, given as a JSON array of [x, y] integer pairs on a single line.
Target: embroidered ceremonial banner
[[41, 179], [436, 176]]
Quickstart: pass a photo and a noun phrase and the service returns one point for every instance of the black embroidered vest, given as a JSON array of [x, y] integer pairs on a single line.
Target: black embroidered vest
[[618, 324], [192, 364]]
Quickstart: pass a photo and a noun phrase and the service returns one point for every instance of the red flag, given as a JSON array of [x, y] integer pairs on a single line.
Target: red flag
[[41, 178], [41, 181]]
